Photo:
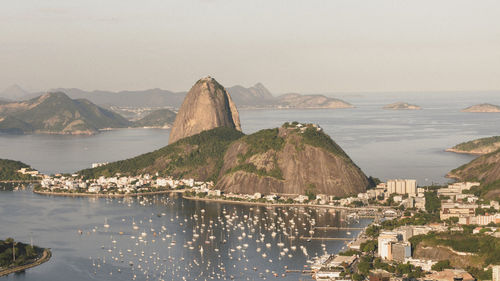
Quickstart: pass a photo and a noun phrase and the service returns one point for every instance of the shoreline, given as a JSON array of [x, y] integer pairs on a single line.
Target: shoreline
[[47, 254], [464, 152], [279, 204], [66, 194]]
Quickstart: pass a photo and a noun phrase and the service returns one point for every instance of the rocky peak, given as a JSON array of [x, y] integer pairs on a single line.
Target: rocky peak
[[206, 106]]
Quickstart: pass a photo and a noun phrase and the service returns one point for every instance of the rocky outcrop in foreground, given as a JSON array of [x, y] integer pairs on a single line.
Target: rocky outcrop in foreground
[[206, 106], [290, 160]]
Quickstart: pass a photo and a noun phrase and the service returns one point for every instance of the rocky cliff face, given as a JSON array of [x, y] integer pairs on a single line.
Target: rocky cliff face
[[290, 160], [206, 106], [485, 169]]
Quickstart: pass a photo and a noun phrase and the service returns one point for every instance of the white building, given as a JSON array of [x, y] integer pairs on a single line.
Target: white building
[[407, 186], [496, 273], [385, 239]]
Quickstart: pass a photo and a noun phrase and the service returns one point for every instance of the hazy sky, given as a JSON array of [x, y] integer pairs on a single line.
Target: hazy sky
[[290, 46]]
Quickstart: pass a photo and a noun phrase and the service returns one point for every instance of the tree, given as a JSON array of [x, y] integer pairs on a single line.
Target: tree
[[364, 267], [369, 246], [373, 231], [440, 265], [358, 277], [311, 192], [432, 202]]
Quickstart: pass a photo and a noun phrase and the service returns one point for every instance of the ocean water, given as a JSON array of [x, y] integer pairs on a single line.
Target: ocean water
[[385, 144]]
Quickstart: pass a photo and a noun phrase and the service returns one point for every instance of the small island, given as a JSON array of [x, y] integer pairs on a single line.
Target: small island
[[402, 106], [483, 108], [17, 256], [477, 147]]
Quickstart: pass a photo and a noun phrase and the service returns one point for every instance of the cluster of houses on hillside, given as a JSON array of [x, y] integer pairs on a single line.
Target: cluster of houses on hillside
[[118, 184], [464, 205]]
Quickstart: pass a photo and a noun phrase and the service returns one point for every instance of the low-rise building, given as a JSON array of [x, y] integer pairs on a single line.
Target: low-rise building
[[450, 275], [453, 209]]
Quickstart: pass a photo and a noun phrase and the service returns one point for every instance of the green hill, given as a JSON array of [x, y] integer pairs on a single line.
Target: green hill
[[484, 169], [198, 156], [287, 160], [161, 118], [479, 146], [9, 168], [56, 113]]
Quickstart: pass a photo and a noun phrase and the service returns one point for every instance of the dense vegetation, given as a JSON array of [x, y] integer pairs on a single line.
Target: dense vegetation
[[261, 142], [485, 246], [9, 168], [479, 143], [24, 253], [313, 137], [368, 262], [432, 202], [177, 159], [157, 118]]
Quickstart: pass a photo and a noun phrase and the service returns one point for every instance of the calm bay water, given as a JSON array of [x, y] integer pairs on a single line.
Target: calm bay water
[[385, 144], [54, 222]]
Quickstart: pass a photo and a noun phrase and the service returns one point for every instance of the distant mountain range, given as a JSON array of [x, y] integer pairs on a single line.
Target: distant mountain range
[[257, 96], [56, 113]]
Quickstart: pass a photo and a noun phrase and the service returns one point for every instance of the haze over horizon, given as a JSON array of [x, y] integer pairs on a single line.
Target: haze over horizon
[[310, 47]]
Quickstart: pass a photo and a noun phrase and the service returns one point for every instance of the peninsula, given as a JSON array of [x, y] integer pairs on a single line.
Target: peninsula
[[17, 256], [207, 146], [477, 147]]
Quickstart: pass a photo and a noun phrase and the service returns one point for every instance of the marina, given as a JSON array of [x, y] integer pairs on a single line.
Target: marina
[[166, 237]]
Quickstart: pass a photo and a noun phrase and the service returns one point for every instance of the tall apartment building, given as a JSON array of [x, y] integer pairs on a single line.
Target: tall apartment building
[[402, 187]]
